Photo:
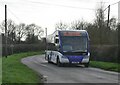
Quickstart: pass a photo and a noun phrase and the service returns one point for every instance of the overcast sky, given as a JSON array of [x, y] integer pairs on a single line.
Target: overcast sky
[[46, 13]]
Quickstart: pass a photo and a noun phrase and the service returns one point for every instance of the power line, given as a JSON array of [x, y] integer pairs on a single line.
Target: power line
[[44, 3], [105, 9], [51, 4], [115, 3], [109, 12], [14, 14], [111, 5]]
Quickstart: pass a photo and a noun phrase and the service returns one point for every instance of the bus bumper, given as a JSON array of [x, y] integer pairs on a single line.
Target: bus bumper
[[85, 60], [64, 60], [76, 59]]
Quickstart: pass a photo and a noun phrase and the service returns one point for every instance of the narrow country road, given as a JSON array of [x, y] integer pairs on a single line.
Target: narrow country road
[[67, 74]]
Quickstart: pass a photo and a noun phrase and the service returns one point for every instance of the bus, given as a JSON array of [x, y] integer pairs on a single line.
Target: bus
[[68, 47]]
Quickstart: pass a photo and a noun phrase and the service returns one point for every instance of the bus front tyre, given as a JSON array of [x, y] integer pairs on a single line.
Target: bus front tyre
[[49, 60], [86, 65], [45, 56], [58, 62]]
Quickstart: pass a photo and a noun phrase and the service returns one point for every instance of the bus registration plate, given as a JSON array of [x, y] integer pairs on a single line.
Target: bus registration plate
[[75, 62]]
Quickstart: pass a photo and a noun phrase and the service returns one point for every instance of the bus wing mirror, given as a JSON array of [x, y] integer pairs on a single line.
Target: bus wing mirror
[[58, 47], [56, 40]]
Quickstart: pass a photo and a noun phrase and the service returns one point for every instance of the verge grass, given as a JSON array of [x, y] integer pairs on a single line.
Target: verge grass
[[105, 65], [13, 71]]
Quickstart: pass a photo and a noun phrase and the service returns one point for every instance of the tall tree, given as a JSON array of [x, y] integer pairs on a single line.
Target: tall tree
[[10, 30], [113, 23], [100, 23], [61, 26], [21, 31], [34, 33], [78, 25]]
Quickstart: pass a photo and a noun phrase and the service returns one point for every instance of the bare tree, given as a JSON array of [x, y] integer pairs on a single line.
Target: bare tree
[[38, 31], [113, 23], [11, 26], [2, 27], [61, 26], [100, 22], [33, 32], [21, 31], [78, 25]]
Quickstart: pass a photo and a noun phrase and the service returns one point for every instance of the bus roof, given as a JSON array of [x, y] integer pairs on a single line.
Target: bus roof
[[72, 31], [57, 31]]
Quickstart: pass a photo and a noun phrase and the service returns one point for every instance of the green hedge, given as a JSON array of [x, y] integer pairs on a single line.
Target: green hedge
[[18, 48], [108, 53], [105, 53]]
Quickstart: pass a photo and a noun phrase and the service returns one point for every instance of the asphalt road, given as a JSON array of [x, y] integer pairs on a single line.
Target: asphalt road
[[69, 74]]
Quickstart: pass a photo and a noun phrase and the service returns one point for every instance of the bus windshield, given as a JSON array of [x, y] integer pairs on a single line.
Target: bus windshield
[[74, 43]]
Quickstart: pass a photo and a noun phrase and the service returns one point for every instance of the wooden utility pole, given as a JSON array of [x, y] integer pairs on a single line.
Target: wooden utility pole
[[46, 37], [6, 31], [46, 48], [108, 16], [108, 23], [46, 32], [119, 12]]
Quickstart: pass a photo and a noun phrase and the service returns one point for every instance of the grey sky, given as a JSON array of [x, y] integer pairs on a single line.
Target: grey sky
[[46, 13]]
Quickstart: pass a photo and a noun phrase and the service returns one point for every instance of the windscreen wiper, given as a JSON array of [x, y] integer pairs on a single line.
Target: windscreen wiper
[[78, 51], [75, 51]]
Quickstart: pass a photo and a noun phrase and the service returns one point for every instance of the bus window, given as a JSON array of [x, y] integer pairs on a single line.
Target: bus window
[[67, 47]]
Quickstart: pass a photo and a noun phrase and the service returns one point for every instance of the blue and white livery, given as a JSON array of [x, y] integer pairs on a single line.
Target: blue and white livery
[[65, 46]]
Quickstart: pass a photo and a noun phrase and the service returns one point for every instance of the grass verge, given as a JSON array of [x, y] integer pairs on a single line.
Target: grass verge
[[16, 72], [105, 65]]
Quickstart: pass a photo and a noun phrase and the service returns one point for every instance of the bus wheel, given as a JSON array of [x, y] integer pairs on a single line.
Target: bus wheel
[[49, 60], [58, 62], [86, 64], [45, 56]]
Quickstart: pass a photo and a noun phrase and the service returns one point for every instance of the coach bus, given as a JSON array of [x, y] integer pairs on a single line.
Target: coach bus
[[70, 47]]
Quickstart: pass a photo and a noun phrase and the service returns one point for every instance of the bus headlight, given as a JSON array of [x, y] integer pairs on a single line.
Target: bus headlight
[[88, 54]]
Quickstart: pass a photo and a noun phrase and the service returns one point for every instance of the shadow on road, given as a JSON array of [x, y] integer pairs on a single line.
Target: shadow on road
[[67, 65]]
